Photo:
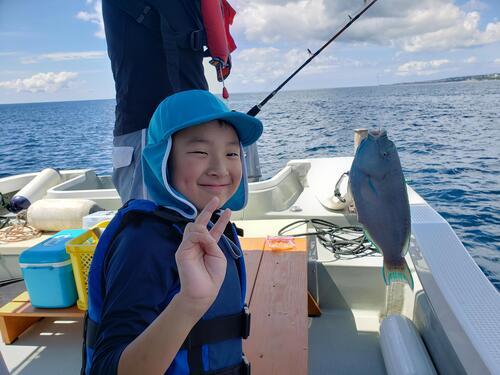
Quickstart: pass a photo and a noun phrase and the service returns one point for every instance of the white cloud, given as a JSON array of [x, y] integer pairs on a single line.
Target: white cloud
[[497, 61], [421, 68], [268, 64], [94, 17], [465, 33], [474, 5], [471, 60], [4, 54], [411, 25], [65, 56], [41, 82], [271, 23]]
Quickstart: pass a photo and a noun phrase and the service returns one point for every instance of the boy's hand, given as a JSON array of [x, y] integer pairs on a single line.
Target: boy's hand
[[200, 261]]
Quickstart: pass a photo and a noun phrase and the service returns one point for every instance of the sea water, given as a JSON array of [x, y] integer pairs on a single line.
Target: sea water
[[447, 135]]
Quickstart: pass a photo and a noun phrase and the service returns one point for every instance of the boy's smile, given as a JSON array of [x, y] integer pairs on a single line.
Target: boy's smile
[[205, 162]]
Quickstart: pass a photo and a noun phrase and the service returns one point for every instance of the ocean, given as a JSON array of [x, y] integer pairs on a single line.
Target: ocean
[[447, 135]]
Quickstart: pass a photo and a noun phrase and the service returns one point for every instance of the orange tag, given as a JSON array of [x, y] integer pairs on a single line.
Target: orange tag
[[280, 243]]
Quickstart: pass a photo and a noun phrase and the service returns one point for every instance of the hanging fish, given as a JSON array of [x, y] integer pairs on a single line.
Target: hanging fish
[[379, 191]]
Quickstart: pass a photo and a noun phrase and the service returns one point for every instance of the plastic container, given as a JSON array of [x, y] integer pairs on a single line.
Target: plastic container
[[47, 271], [81, 250], [95, 218]]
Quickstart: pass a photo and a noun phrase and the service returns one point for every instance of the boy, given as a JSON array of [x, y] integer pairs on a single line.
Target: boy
[[167, 282]]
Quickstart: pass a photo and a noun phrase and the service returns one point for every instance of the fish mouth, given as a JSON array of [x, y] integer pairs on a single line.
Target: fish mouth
[[377, 133]]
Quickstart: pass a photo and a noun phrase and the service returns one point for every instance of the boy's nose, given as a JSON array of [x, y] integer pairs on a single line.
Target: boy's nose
[[217, 168]]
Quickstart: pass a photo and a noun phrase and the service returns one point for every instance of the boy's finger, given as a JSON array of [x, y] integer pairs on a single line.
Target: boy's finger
[[205, 215], [206, 244], [220, 225], [203, 239]]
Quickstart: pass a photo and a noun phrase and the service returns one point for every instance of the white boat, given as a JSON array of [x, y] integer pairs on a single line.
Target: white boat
[[453, 306]]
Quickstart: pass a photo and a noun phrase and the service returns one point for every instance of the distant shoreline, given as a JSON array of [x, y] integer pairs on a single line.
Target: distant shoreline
[[478, 77]]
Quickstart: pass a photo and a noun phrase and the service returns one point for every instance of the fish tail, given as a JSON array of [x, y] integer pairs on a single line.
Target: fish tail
[[397, 273]]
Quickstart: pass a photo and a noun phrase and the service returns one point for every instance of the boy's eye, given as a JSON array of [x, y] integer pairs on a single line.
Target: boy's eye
[[233, 154], [198, 152]]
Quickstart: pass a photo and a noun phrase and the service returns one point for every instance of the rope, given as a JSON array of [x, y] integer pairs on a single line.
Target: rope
[[19, 230], [347, 241]]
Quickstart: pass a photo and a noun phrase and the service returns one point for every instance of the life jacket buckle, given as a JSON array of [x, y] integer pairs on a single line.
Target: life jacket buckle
[[247, 317], [196, 40], [145, 11]]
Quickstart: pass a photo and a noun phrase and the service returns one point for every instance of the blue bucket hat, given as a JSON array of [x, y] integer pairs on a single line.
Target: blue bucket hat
[[180, 111]]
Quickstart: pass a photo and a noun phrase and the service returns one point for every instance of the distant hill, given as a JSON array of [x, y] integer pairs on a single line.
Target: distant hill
[[479, 77]]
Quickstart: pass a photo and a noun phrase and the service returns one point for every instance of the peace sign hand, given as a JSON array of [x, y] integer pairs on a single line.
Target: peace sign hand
[[201, 263]]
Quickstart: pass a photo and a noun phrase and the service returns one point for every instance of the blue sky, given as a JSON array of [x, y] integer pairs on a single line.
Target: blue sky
[[55, 50]]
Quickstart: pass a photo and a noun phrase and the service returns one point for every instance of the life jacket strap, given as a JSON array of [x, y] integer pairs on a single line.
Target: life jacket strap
[[91, 328], [204, 332], [219, 329]]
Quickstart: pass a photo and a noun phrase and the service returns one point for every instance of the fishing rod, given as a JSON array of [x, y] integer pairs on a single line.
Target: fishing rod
[[256, 108]]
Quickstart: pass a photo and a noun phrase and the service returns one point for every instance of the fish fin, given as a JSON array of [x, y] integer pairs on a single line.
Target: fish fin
[[367, 235], [398, 273]]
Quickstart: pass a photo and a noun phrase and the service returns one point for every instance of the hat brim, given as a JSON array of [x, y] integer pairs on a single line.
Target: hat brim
[[249, 128]]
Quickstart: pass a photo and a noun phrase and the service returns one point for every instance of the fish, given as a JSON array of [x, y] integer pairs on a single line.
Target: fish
[[378, 188]]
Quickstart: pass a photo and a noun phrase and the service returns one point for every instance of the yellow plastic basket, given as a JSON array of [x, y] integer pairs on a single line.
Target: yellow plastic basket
[[81, 250]]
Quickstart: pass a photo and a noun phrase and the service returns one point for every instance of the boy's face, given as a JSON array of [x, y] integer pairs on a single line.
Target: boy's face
[[205, 162]]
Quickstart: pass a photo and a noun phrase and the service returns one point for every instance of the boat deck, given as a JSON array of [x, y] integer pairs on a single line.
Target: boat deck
[[276, 294]]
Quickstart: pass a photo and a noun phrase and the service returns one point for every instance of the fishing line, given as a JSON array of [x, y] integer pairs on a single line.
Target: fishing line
[[342, 241], [256, 108]]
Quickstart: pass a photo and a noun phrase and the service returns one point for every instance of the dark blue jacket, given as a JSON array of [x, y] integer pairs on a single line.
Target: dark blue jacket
[[144, 70], [139, 278]]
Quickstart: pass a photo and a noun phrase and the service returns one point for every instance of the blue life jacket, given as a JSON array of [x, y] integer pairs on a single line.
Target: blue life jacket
[[205, 332]]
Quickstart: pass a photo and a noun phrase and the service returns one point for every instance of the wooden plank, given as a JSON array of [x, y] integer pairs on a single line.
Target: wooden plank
[[278, 339], [12, 326], [252, 243], [21, 306], [252, 250], [252, 262], [18, 315]]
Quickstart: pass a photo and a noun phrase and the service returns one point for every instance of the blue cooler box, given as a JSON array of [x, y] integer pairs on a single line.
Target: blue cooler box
[[47, 271]]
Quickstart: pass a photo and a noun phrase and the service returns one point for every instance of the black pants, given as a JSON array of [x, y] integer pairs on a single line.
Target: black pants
[[139, 62]]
